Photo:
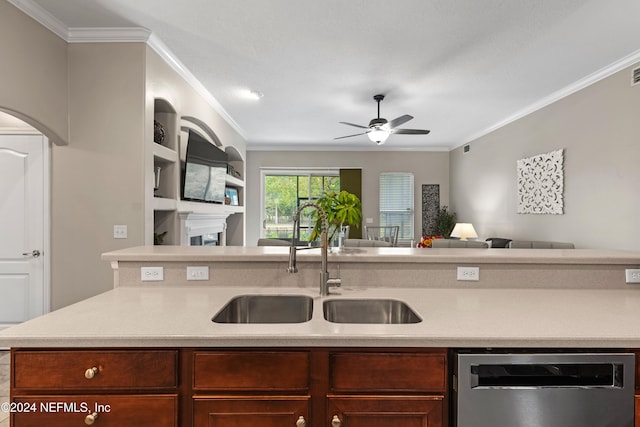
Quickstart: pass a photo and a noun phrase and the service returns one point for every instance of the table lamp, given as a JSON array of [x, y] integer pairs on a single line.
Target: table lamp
[[464, 231]]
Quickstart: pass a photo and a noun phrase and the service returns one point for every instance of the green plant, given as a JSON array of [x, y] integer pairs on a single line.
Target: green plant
[[341, 208], [445, 221]]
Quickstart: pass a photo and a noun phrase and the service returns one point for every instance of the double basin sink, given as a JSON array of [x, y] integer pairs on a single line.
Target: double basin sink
[[299, 309]]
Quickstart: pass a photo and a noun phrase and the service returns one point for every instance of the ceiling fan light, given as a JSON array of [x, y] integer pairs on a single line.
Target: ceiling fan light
[[378, 135]]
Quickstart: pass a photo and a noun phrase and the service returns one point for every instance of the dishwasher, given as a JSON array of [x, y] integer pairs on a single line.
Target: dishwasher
[[546, 389]]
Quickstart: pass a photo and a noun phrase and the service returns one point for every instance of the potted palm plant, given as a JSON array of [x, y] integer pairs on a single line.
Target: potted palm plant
[[343, 208]]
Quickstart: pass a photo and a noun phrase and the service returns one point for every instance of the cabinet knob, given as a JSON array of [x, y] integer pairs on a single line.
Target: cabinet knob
[[301, 422], [335, 422], [91, 418], [90, 373]]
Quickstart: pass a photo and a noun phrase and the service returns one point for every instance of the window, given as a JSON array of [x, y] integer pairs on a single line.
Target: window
[[396, 202], [284, 191]]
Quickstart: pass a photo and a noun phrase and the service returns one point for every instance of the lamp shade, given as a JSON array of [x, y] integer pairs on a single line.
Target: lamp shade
[[464, 231], [378, 135]]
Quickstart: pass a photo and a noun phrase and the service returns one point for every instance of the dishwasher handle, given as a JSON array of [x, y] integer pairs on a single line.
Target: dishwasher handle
[[547, 375]]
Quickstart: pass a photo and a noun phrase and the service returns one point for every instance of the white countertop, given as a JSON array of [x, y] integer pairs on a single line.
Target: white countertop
[[181, 317], [377, 255]]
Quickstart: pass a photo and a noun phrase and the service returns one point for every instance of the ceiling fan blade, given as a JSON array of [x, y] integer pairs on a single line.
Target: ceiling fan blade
[[411, 131], [349, 136], [355, 125], [399, 121]]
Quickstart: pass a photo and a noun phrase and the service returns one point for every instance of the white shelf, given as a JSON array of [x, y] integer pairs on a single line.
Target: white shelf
[[163, 153], [164, 204], [211, 208], [235, 182]]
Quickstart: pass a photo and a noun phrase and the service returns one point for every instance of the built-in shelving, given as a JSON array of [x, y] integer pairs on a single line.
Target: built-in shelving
[[168, 210]]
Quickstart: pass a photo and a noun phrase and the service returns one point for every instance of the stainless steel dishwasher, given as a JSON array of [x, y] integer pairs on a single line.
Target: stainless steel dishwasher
[[544, 389]]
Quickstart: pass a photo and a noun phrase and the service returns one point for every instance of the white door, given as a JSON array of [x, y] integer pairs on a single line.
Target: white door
[[22, 228]]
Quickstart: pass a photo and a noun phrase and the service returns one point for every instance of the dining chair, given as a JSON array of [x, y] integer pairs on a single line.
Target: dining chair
[[387, 233]]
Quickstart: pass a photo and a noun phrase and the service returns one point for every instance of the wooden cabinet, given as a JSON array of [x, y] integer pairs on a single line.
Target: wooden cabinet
[[389, 411], [106, 387], [239, 388], [229, 387], [387, 388]]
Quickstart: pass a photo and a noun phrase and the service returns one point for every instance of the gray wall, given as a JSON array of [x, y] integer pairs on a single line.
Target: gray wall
[[599, 130], [33, 74], [427, 167]]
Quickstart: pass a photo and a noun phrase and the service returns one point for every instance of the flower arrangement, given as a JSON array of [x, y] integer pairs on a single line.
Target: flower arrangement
[[427, 240]]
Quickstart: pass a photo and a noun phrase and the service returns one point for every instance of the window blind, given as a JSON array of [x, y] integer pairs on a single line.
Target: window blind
[[396, 202]]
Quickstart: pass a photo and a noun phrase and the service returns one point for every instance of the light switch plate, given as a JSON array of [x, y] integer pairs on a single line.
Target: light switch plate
[[119, 231]]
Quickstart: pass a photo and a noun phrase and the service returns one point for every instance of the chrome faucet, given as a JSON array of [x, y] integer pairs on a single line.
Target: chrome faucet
[[325, 280]]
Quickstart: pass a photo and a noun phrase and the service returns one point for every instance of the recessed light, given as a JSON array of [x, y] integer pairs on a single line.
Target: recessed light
[[254, 94]]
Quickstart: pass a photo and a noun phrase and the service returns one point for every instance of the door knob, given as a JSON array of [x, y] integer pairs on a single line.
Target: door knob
[[34, 253], [335, 422]]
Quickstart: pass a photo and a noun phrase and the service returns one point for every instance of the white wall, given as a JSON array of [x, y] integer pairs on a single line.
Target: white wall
[[427, 167], [599, 130]]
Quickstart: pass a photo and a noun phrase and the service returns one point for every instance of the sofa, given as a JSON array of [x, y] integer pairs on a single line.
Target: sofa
[[534, 244], [454, 243]]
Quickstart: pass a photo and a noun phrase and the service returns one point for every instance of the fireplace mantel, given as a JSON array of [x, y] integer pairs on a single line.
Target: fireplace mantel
[[194, 224]]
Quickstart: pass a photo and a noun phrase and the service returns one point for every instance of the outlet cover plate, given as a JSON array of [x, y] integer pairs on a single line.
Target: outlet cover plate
[[197, 272], [151, 274], [632, 275], [468, 273]]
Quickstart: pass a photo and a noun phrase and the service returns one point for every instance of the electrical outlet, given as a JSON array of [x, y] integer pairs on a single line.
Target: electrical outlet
[[197, 272], [632, 275], [119, 231], [151, 274], [469, 273]]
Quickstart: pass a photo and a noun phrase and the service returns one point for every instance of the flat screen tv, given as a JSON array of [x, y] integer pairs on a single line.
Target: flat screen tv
[[204, 171]]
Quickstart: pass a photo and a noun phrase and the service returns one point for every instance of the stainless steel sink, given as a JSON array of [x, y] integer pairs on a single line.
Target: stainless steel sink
[[378, 311], [266, 309]]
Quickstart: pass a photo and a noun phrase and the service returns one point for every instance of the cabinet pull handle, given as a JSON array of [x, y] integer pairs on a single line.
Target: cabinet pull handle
[[335, 422], [91, 418], [90, 373], [301, 422]]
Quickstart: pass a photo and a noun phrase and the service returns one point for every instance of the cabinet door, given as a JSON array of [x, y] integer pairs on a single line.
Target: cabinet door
[[269, 411], [385, 411]]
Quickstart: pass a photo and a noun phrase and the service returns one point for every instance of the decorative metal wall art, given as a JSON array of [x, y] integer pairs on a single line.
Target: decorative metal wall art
[[430, 207], [541, 184]]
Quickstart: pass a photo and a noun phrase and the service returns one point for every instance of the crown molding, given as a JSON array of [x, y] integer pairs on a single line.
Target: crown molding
[[124, 35], [167, 55], [601, 74], [108, 35], [366, 146]]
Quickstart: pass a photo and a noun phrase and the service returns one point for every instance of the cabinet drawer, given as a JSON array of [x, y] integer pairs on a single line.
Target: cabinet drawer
[[388, 372], [263, 412], [251, 370], [112, 411], [125, 369]]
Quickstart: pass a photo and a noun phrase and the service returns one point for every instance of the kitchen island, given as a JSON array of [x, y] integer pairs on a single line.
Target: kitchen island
[[156, 341]]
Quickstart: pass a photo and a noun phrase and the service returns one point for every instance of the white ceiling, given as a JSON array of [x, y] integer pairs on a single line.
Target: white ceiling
[[460, 67]]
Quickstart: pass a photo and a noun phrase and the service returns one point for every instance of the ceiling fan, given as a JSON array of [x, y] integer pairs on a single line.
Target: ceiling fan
[[379, 128]]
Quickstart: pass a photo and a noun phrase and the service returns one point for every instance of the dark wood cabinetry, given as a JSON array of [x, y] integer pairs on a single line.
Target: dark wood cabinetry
[[406, 388], [102, 387], [230, 387]]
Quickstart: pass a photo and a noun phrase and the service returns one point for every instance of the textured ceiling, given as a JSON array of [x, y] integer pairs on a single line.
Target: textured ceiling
[[460, 67]]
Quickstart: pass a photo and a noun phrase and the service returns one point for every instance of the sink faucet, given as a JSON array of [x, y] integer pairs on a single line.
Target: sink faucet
[[325, 280]]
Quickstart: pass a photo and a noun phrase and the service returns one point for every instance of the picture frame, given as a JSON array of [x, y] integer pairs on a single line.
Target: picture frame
[[232, 194]]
